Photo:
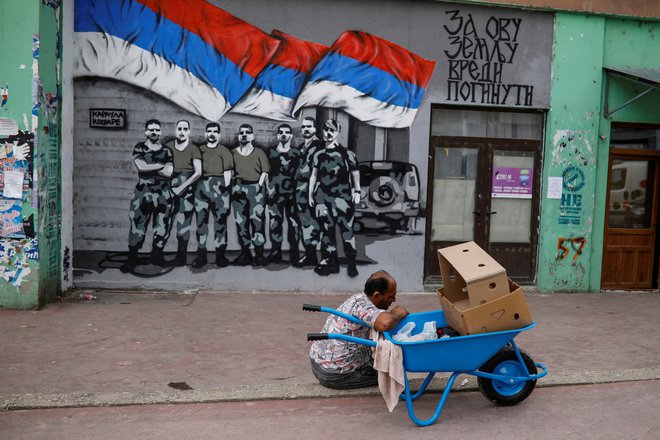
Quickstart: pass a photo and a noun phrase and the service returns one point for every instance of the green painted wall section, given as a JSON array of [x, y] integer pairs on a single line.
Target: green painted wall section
[[48, 160], [577, 139], [19, 21], [628, 43], [24, 27], [571, 147]]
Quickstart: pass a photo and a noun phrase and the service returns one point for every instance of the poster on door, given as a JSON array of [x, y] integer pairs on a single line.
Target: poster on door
[[512, 183]]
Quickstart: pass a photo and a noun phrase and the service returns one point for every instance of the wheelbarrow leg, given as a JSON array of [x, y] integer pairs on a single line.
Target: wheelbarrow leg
[[421, 389], [438, 409]]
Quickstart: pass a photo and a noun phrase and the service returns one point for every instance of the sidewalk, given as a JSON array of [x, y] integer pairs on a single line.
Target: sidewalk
[[143, 348]]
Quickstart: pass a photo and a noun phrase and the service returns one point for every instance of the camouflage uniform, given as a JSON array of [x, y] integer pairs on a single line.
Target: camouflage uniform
[[185, 202], [212, 195], [333, 201], [248, 198], [309, 226], [282, 197], [152, 200]]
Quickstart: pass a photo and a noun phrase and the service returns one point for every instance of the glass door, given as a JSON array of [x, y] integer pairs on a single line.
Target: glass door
[[486, 191]]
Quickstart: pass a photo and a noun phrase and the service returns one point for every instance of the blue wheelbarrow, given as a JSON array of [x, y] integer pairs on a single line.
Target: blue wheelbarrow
[[506, 374]]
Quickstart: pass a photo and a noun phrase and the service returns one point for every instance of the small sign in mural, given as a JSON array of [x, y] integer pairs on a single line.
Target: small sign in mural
[[512, 183], [107, 118]]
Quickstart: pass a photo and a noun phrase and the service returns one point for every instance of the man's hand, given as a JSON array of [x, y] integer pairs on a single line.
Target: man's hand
[[356, 198], [399, 312], [177, 190]]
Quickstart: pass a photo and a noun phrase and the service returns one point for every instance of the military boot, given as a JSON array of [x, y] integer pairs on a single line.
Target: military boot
[[157, 257], [352, 268], [259, 259], [327, 266], [309, 257], [244, 258], [294, 256], [181, 253], [220, 259], [275, 254], [200, 260], [131, 260]]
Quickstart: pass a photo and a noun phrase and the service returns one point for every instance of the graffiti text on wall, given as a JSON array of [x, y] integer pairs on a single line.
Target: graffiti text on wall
[[477, 59], [564, 246]]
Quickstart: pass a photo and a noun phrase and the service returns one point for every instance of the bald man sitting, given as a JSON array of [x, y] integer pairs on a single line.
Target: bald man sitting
[[344, 365]]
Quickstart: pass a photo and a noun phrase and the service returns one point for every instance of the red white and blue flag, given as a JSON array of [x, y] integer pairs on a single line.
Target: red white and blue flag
[[191, 52], [275, 90], [370, 78]]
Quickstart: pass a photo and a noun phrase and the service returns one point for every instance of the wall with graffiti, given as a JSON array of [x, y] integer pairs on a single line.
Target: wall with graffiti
[[271, 145], [29, 148]]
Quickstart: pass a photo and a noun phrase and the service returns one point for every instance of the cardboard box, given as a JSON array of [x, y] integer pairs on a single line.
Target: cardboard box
[[477, 296]]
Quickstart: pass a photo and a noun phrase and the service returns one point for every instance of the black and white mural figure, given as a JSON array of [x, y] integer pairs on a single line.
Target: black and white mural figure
[[187, 169], [284, 160], [251, 168], [213, 196], [152, 198], [334, 191], [308, 226], [197, 63]]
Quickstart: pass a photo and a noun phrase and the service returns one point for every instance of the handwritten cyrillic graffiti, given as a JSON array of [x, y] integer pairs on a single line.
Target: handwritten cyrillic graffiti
[[477, 59]]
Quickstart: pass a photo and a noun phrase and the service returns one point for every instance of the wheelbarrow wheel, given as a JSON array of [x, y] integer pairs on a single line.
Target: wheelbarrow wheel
[[506, 363]]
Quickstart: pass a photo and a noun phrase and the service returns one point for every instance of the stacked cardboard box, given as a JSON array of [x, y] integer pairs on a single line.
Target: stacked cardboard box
[[477, 296]]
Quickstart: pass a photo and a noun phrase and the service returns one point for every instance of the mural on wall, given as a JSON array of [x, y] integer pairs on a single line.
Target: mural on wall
[[295, 194]]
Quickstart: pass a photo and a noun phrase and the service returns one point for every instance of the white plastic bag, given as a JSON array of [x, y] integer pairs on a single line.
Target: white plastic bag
[[404, 333], [428, 333]]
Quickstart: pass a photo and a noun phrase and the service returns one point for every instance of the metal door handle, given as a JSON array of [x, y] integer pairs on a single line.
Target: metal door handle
[[478, 214]]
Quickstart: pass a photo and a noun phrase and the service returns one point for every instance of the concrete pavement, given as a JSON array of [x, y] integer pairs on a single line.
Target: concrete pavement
[[131, 348]]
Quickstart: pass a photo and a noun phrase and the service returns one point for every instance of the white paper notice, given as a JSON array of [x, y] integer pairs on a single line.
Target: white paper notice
[[554, 187], [13, 184]]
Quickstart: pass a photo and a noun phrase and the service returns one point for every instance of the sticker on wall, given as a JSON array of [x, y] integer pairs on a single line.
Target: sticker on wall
[[8, 127], [11, 219], [570, 208], [512, 183], [4, 95]]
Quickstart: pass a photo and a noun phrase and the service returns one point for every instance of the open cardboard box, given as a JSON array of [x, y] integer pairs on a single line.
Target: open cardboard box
[[477, 296]]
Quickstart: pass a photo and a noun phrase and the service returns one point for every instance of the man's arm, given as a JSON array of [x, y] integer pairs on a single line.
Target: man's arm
[[197, 173], [356, 187], [312, 184], [388, 320], [144, 166]]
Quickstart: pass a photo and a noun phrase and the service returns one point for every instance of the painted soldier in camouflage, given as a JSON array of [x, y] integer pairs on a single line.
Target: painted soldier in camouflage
[[152, 199], [334, 197], [251, 168], [308, 226], [212, 196], [283, 161], [187, 170]]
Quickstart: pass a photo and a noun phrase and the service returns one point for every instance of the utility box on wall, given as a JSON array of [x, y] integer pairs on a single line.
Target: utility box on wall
[[477, 296]]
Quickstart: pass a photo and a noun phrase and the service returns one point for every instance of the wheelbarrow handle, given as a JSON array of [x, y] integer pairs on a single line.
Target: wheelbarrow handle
[[315, 308], [311, 308], [343, 337], [316, 336]]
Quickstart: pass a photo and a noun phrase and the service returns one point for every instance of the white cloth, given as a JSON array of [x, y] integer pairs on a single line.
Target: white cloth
[[388, 361]]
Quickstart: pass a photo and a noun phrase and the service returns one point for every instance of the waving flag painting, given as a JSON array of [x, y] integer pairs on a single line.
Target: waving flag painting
[[191, 52], [275, 90], [370, 78]]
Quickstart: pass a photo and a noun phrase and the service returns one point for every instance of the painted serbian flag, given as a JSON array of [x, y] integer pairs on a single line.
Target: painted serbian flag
[[275, 90], [370, 78], [191, 52]]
